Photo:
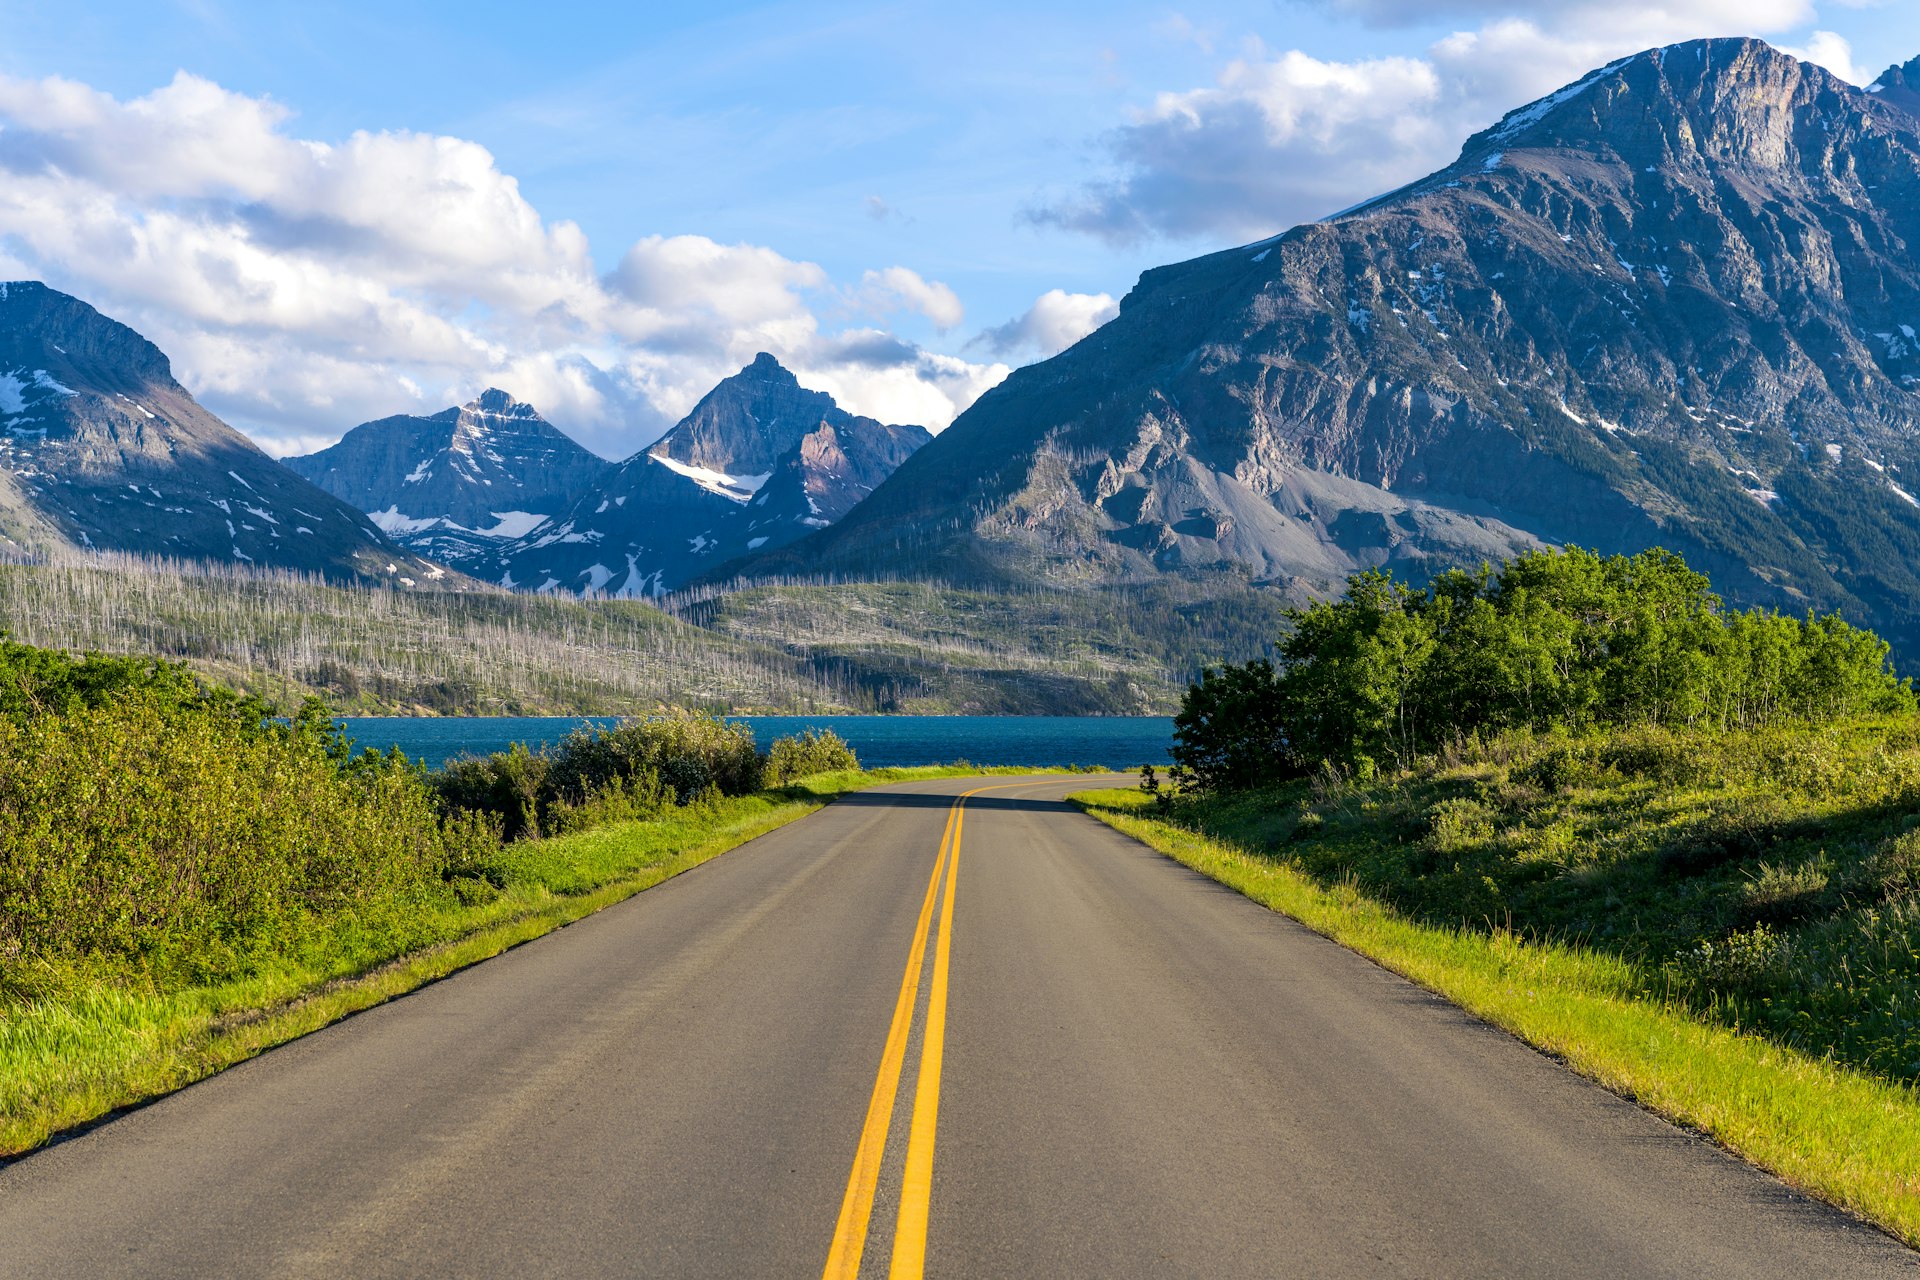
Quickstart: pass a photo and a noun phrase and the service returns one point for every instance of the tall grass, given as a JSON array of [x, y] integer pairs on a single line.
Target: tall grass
[[1763, 877]]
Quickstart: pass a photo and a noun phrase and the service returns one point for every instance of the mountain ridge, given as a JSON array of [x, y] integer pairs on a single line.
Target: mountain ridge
[[758, 462], [102, 449], [456, 484], [1669, 303]]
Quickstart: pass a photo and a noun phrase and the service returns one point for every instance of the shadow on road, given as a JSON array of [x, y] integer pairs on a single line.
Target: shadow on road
[[928, 800]]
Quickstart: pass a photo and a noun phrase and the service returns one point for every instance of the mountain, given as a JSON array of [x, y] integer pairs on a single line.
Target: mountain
[[1673, 303], [102, 449], [760, 462], [1900, 87], [457, 484]]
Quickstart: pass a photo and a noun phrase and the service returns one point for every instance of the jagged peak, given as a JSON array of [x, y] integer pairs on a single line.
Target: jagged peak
[[1727, 85], [765, 367], [496, 403], [1899, 86], [1690, 66], [1900, 73]]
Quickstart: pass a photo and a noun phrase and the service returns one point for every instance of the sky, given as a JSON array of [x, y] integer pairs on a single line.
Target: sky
[[329, 212]]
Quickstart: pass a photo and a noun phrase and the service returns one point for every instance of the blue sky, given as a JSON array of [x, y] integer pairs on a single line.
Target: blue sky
[[884, 194]]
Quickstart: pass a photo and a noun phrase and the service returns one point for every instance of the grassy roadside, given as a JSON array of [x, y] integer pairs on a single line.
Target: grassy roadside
[[1841, 1134], [69, 1059]]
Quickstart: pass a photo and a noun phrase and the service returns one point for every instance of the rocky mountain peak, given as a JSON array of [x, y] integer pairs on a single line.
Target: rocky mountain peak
[[458, 483], [759, 462], [1733, 100], [100, 448], [59, 332], [748, 422], [766, 367], [495, 403], [1900, 87], [488, 417]]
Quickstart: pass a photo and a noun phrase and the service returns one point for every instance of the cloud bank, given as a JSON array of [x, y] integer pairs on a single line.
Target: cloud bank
[[302, 286], [1284, 137]]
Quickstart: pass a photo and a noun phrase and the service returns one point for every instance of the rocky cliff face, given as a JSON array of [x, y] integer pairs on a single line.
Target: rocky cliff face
[[101, 449], [760, 462], [1900, 87], [459, 484], [1674, 303]]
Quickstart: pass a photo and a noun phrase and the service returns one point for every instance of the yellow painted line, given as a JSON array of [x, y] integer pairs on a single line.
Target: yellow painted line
[[850, 1232], [916, 1192], [856, 1208]]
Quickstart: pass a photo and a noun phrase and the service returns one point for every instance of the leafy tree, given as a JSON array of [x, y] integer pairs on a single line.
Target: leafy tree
[[1229, 732], [1553, 638]]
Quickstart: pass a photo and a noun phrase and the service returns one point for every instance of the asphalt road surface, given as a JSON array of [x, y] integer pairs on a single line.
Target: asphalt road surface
[[998, 1041]]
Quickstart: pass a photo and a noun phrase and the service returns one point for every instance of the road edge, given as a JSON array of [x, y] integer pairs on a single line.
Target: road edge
[[1843, 1137]]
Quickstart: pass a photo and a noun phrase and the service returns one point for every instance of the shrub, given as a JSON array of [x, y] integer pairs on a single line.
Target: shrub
[[169, 835], [1895, 869], [1741, 964], [807, 753], [36, 682], [688, 753], [509, 786], [1231, 730], [1552, 640], [596, 776], [1781, 894]]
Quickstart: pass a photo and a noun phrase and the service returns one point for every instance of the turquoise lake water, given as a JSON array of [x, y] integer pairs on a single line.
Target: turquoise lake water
[[1118, 742]]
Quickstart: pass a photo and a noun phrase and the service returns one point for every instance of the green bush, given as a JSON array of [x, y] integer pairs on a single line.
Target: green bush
[[509, 786], [1552, 640], [807, 753], [687, 753], [1231, 729], [635, 769], [1895, 870], [165, 834], [36, 682]]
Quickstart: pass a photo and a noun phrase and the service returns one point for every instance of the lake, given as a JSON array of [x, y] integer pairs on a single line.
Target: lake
[[1118, 742]]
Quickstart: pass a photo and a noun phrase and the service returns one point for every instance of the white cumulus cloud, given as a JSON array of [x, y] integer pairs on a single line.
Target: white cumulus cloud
[[1056, 320], [1284, 137], [1833, 51], [900, 289], [303, 286]]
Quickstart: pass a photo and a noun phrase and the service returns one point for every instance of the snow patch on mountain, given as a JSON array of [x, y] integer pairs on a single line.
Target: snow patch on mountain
[[1527, 115], [512, 524], [15, 386], [739, 488], [393, 523]]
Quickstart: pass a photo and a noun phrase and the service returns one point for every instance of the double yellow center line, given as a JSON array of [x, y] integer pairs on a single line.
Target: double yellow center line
[[856, 1209]]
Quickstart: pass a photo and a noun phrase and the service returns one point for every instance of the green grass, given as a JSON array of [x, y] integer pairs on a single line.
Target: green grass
[[1841, 1133], [96, 1046]]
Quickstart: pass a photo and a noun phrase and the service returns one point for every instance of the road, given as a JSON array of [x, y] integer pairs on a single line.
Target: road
[[1130, 1071]]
